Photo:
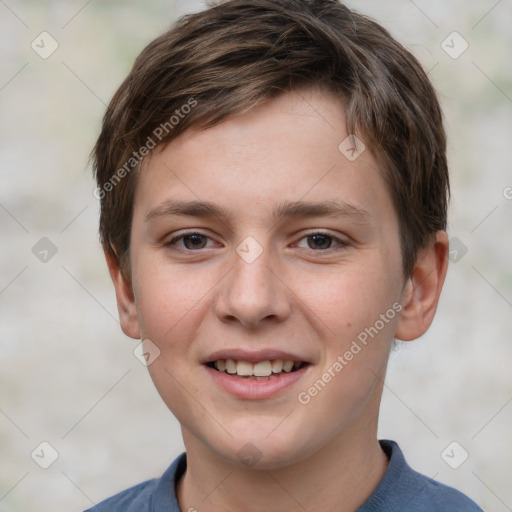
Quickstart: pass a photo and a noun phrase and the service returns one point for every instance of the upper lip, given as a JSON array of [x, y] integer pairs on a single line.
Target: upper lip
[[253, 356]]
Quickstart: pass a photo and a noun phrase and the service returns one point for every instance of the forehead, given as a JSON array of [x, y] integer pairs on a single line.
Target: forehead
[[268, 162]]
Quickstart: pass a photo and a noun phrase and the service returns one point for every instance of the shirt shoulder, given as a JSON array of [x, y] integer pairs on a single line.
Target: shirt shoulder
[[438, 496], [156, 495], [403, 488], [134, 499]]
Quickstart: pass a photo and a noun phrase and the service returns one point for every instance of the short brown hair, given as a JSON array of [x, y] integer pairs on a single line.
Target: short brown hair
[[239, 53]]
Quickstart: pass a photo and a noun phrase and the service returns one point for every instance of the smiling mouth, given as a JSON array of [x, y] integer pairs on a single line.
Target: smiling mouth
[[262, 370]]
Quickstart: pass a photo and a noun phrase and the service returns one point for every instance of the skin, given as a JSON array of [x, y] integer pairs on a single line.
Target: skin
[[312, 297]]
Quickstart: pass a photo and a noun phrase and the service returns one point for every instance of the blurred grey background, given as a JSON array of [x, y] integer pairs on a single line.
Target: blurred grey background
[[68, 376]]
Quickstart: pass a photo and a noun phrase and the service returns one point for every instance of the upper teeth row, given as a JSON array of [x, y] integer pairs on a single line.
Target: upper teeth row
[[259, 369]]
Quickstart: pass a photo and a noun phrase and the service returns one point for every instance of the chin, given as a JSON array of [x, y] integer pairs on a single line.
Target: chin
[[263, 451]]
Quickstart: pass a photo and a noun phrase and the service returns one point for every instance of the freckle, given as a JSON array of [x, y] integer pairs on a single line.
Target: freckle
[[349, 324]]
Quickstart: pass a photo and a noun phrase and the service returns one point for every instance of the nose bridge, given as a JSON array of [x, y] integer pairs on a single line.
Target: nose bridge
[[252, 291], [252, 263]]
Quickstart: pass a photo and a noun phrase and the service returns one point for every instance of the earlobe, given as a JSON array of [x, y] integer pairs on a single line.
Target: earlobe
[[124, 295], [423, 289]]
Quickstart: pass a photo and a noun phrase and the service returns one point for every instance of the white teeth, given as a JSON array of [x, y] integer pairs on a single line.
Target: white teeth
[[230, 365], [260, 370], [277, 366], [244, 368], [287, 366]]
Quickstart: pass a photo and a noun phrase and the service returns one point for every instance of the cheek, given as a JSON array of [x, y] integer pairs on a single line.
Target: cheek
[[358, 310], [348, 299], [166, 298], [168, 305]]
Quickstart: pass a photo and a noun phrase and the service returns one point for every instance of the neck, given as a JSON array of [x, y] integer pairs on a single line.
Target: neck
[[339, 477]]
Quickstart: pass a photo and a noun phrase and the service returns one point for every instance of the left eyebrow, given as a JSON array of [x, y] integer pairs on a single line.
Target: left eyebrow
[[332, 208], [296, 209]]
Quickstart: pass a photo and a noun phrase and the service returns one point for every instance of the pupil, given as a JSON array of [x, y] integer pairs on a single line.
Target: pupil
[[196, 239], [324, 237]]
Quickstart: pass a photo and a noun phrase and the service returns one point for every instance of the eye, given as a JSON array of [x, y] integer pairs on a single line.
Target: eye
[[192, 240], [317, 241], [322, 241]]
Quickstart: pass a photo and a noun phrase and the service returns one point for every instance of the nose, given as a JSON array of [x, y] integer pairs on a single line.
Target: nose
[[254, 292]]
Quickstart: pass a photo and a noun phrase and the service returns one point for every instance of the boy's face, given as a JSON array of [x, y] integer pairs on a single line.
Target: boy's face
[[309, 297]]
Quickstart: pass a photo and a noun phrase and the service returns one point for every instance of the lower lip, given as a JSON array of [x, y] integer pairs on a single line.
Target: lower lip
[[256, 389]]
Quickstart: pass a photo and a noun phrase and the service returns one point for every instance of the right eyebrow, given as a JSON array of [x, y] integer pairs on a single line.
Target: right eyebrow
[[172, 207], [331, 208]]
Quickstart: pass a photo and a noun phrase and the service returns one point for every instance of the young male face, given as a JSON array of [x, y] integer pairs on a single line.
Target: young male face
[[308, 298]]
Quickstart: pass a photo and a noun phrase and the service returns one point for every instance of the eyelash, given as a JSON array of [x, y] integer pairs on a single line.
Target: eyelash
[[341, 243]]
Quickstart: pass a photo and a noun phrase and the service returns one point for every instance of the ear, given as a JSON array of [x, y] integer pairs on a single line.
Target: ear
[[124, 296], [423, 288]]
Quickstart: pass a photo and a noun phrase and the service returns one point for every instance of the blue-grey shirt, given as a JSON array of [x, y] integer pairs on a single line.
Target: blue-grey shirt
[[401, 489]]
